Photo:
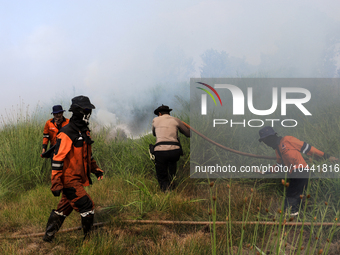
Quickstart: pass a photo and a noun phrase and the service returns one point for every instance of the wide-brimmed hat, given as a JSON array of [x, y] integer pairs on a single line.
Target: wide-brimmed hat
[[57, 109], [265, 132], [81, 102], [162, 108]]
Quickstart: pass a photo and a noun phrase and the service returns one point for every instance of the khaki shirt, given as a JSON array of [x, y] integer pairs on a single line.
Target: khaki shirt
[[166, 128]]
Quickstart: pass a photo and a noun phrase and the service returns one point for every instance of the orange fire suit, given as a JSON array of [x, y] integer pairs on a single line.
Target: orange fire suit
[[72, 165], [288, 153], [291, 149], [51, 130]]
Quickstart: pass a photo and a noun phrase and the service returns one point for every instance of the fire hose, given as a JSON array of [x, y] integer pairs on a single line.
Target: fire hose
[[226, 148], [165, 222], [169, 222], [152, 157]]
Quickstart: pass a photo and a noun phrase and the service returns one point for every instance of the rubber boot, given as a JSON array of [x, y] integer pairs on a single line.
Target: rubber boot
[[87, 223], [53, 225]]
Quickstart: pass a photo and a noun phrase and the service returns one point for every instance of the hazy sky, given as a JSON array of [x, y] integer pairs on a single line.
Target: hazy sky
[[115, 51]]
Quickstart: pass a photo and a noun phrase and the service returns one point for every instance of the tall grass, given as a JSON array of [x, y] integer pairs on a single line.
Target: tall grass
[[21, 165], [130, 191]]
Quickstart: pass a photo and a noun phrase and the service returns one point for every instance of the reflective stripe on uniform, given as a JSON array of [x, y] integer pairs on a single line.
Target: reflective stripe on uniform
[[60, 213], [57, 165], [305, 148], [87, 213]]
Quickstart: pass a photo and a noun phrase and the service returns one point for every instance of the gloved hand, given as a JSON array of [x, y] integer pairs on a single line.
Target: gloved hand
[[99, 174], [333, 159], [56, 193]]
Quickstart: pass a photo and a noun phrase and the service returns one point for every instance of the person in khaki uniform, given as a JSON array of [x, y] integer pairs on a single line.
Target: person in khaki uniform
[[167, 149]]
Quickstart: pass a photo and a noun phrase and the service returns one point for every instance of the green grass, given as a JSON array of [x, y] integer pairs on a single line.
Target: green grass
[[130, 190], [20, 162]]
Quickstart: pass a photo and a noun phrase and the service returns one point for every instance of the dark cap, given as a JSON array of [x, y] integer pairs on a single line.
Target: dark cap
[[81, 102], [57, 109], [162, 108], [265, 132]]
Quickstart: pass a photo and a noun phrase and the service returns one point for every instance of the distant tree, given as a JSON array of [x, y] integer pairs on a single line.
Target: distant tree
[[172, 71], [172, 66], [328, 64], [300, 61], [220, 64], [308, 46]]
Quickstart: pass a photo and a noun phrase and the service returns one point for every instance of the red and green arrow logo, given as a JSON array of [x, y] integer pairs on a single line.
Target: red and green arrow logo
[[209, 93]]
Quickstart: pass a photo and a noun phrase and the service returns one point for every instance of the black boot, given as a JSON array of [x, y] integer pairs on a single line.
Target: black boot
[[87, 223], [53, 225]]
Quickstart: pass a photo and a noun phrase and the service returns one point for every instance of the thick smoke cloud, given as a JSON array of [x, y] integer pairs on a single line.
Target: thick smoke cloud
[[131, 57]]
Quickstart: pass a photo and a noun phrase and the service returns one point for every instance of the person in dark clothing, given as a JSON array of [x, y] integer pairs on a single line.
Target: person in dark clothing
[[288, 151], [72, 166], [167, 150]]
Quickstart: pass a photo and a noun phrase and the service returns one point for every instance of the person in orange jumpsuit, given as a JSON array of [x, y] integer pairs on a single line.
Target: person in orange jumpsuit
[[288, 151], [52, 127], [72, 166]]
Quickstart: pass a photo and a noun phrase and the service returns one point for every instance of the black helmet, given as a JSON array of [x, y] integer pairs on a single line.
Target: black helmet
[[162, 108], [57, 109], [265, 132], [82, 102]]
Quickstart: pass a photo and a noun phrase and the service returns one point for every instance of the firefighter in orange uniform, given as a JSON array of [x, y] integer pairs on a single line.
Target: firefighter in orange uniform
[[72, 166], [53, 126], [288, 151]]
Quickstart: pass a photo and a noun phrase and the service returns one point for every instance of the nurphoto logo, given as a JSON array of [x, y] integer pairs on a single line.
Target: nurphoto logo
[[228, 113], [295, 96]]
